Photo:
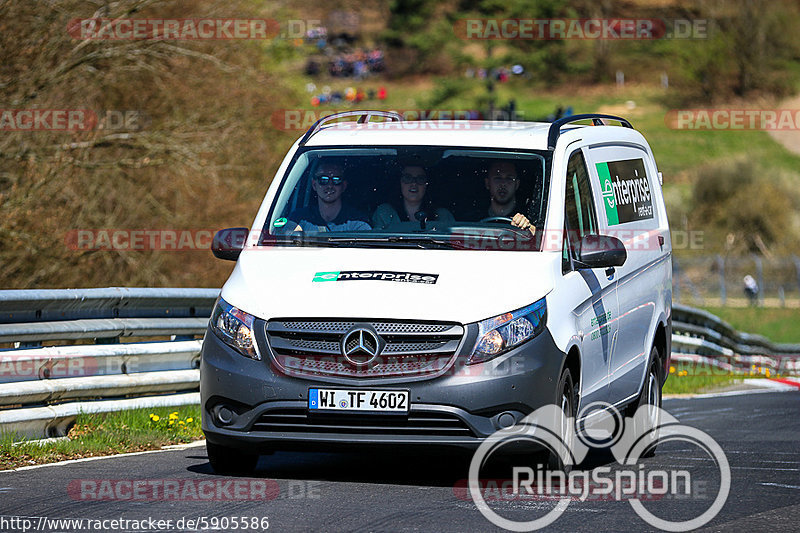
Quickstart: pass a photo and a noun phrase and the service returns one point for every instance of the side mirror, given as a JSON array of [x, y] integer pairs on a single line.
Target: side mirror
[[229, 243], [601, 251]]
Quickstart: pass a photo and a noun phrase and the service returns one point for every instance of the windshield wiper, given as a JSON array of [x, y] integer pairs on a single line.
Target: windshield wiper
[[297, 240], [401, 241]]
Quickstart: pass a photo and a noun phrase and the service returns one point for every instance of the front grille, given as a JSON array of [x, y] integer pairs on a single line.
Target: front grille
[[314, 347], [297, 420]]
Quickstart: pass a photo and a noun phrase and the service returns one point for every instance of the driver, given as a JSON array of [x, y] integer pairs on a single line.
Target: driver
[[329, 212], [502, 183]]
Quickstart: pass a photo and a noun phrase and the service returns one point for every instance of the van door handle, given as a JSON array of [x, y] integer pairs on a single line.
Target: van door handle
[[610, 272]]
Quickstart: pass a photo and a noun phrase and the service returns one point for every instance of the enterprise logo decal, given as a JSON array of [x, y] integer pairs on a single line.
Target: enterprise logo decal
[[379, 275]]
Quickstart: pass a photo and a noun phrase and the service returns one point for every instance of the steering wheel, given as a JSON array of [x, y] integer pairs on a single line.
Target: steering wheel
[[497, 219]]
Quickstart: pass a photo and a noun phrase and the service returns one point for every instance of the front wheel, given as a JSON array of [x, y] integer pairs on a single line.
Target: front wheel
[[226, 460], [649, 398], [565, 399]]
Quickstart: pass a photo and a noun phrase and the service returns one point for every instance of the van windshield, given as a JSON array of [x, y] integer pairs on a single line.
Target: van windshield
[[411, 196]]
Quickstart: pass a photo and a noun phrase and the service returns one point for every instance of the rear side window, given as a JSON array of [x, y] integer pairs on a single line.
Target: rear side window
[[580, 217], [626, 191]]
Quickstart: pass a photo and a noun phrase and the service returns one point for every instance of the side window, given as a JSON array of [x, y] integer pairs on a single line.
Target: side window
[[580, 217]]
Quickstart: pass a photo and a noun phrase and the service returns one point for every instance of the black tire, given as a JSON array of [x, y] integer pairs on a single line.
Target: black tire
[[650, 395], [226, 460], [565, 398]]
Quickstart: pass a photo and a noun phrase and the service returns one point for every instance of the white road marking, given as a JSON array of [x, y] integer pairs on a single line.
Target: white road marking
[[781, 485], [765, 468]]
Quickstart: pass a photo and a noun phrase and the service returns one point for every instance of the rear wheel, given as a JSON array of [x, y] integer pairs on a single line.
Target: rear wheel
[[226, 460]]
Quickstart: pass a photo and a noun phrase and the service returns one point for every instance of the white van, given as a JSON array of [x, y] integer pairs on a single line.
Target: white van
[[428, 283]]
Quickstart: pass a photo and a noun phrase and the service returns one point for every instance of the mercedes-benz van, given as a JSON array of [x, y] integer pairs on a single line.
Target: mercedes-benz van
[[428, 283]]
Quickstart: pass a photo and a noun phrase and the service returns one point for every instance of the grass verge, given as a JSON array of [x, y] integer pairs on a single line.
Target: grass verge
[[96, 435], [778, 324], [686, 378], [683, 380]]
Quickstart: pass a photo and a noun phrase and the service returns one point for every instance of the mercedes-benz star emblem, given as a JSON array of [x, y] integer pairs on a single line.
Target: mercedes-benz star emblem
[[360, 346]]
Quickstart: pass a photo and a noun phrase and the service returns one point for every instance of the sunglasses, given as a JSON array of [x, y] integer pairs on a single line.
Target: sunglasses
[[324, 180], [408, 179]]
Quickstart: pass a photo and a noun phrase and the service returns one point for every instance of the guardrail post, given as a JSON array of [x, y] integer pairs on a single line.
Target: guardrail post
[[723, 296], [760, 277], [796, 261]]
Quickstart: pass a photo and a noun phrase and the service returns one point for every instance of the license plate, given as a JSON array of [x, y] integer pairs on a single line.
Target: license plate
[[394, 401]]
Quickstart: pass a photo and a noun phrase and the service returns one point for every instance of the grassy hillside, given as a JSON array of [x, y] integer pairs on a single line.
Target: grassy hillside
[[207, 146]]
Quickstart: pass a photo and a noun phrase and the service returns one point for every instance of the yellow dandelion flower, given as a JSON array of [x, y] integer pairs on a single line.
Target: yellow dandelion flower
[[189, 420], [672, 370], [155, 418]]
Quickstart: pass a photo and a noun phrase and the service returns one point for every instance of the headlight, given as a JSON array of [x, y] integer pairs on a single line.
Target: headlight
[[499, 334], [235, 328]]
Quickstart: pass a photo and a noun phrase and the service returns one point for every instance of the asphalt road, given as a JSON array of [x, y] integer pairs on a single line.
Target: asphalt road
[[759, 434]]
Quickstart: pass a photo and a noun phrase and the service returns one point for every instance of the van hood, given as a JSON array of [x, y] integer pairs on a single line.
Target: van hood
[[449, 285]]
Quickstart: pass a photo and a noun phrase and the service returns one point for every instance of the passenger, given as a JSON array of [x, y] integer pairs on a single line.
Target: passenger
[[411, 204], [329, 213], [502, 183]]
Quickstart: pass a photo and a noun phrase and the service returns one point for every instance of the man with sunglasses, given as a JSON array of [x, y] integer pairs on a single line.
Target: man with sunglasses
[[329, 212]]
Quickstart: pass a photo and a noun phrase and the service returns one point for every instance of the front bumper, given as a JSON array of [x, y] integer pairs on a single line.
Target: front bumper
[[457, 409]]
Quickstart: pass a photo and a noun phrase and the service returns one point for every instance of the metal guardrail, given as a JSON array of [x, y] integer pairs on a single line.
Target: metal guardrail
[[44, 389], [699, 333]]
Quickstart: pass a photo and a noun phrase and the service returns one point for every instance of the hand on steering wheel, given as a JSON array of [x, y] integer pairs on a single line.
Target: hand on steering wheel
[[497, 219]]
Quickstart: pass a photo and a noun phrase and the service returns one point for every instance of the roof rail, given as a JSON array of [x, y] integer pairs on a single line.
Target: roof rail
[[363, 117], [597, 120]]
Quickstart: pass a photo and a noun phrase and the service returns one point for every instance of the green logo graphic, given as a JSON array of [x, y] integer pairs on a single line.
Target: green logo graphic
[[325, 276], [279, 223], [609, 200]]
